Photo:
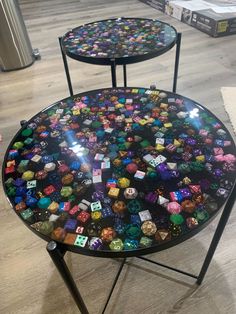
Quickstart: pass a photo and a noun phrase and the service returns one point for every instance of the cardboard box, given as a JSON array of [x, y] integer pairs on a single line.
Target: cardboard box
[[157, 4], [214, 17]]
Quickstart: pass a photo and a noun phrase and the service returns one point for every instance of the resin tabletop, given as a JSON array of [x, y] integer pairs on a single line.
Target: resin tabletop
[[125, 40], [120, 172]]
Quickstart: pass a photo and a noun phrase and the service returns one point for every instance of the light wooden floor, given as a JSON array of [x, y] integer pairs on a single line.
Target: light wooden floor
[[29, 282]]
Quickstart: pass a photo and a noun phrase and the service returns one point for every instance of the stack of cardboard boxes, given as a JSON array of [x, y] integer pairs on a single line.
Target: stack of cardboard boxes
[[214, 17]]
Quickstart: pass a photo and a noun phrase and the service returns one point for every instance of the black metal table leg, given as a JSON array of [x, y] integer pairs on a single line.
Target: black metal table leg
[[114, 284], [66, 68], [113, 73], [125, 75], [177, 54], [217, 235], [56, 254]]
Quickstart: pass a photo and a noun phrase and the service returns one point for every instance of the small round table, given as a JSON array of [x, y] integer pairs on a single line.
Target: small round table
[[120, 172], [119, 41]]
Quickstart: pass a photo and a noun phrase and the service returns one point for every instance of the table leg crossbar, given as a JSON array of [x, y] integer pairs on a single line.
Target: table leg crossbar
[[168, 267]]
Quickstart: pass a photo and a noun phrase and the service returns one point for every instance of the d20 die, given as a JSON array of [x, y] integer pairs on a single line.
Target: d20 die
[[81, 241]]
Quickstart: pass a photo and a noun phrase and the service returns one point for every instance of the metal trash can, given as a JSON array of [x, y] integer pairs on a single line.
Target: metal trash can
[[15, 48]]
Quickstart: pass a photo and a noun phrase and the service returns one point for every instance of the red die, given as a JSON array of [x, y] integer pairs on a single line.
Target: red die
[[83, 216], [74, 210], [49, 190]]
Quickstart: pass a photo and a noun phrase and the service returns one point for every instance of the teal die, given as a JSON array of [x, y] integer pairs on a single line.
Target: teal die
[[95, 206], [26, 214], [28, 141], [81, 241]]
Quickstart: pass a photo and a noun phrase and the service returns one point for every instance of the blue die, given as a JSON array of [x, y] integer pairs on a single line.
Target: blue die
[[135, 219], [107, 212]]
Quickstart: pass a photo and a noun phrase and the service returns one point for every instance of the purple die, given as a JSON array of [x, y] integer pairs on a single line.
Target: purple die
[[98, 196], [218, 173], [166, 175], [162, 167], [205, 184], [197, 152], [174, 173], [190, 141], [70, 225], [95, 243], [186, 194], [151, 197], [19, 182]]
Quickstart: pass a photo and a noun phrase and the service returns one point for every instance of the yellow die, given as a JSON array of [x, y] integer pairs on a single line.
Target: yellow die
[[177, 143], [96, 215], [123, 182], [76, 112], [118, 106], [142, 122], [168, 125], [200, 158], [163, 106], [114, 192], [160, 148]]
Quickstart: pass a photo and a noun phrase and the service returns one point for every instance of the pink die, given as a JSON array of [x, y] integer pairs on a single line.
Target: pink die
[[218, 151], [174, 208]]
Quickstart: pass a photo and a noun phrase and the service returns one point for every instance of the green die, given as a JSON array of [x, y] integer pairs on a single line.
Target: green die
[[81, 241], [145, 242], [145, 143], [26, 214]]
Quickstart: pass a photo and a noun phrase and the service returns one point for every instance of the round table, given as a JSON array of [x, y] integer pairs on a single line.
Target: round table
[[118, 41], [120, 172]]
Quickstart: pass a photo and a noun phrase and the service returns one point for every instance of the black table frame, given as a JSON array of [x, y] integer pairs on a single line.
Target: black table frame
[[121, 61], [58, 250]]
